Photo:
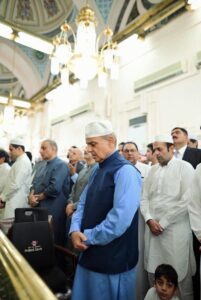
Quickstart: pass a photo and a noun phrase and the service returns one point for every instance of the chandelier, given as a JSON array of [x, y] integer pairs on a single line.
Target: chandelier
[[84, 57]]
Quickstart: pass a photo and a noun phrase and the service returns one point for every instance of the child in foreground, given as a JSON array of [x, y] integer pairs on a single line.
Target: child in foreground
[[166, 283]]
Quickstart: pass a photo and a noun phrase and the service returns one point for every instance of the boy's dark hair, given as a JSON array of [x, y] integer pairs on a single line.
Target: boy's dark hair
[[168, 272], [4, 154]]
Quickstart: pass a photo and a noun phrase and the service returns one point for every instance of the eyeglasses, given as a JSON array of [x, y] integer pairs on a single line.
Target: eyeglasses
[[131, 150]]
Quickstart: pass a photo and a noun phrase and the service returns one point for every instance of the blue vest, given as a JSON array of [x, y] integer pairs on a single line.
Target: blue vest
[[121, 254]]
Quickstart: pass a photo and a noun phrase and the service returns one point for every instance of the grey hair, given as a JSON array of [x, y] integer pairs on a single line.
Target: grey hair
[[106, 137], [52, 143]]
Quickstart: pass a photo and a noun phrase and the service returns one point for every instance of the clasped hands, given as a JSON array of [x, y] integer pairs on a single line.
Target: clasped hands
[[155, 227], [78, 238], [35, 198]]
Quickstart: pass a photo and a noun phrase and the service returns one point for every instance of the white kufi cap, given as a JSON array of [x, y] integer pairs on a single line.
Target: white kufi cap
[[17, 141], [98, 128], [164, 138], [192, 136]]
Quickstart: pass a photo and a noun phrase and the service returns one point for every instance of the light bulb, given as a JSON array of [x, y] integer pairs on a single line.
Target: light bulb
[[54, 66], [63, 53]]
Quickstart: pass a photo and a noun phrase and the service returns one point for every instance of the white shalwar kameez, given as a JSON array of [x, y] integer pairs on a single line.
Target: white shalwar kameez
[[17, 187], [142, 284], [4, 170], [164, 200]]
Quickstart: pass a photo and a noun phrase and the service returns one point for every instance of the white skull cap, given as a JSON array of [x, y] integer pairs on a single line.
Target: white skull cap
[[164, 138], [17, 141], [98, 128]]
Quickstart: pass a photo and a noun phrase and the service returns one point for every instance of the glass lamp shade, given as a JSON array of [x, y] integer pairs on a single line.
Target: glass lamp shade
[[84, 67], [86, 39], [83, 84], [9, 114], [65, 76], [8, 118], [54, 66], [102, 79], [108, 58], [63, 53], [114, 71]]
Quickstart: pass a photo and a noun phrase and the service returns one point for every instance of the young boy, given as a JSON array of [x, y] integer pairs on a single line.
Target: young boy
[[166, 282]]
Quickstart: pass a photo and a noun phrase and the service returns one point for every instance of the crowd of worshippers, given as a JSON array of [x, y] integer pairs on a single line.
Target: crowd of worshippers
[[133, 219]]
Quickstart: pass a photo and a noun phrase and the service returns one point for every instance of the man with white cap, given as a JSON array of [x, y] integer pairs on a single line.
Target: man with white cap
[[168, 237], [18, 182], [104, 227], [192, 140]]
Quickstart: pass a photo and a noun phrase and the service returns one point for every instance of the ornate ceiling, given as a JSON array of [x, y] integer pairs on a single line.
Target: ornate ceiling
[[44, 17]]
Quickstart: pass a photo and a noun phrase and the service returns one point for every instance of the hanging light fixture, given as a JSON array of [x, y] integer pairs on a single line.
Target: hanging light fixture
[[84, 57]]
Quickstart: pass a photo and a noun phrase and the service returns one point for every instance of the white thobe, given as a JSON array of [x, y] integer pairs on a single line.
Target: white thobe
[[143, 168], [17, 186], [4, 170], [164, 200], [142, 278], [195, 203]]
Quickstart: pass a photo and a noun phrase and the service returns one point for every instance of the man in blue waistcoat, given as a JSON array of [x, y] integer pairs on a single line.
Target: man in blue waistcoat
[[105, 226]]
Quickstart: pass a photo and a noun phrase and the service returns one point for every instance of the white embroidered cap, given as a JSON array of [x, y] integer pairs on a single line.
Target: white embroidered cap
[[98, 128], [17, 141], [164, 138], [192, 136]]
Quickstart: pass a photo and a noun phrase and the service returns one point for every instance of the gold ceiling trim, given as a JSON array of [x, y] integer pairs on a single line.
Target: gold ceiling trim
[[152, 17]]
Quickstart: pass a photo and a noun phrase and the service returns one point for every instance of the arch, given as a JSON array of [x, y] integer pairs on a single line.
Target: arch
[[13, 58]]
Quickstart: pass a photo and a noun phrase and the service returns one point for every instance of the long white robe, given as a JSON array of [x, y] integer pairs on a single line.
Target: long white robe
[[164, 200], [142, 284], [17, 187], [4, 170], [195, 203]]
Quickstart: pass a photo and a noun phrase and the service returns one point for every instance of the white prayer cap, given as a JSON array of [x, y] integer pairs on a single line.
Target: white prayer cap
[[98, 128], [192, 136], [17, 141], [164, 138]]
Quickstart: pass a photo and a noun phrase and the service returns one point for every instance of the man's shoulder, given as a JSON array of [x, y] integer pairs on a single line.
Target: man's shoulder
[[193, 151], [182, 163]]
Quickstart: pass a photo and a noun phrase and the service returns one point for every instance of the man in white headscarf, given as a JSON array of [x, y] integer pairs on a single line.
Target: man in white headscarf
[[18, 181], [168, 238], [104, 227]]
